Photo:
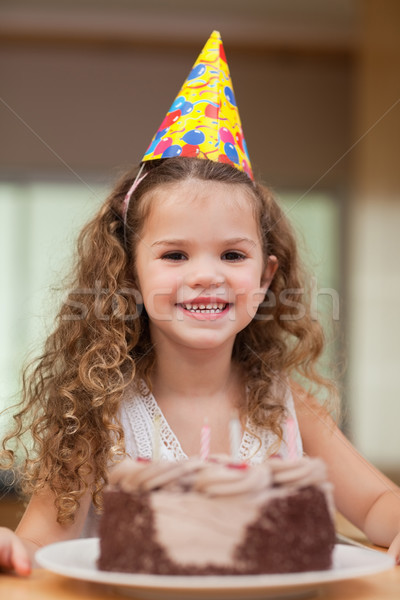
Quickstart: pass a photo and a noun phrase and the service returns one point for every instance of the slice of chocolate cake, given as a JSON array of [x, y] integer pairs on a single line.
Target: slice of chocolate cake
[[214, 517]]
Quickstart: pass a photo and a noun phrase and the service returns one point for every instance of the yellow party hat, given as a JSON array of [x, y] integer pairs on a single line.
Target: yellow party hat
[[203, 121]]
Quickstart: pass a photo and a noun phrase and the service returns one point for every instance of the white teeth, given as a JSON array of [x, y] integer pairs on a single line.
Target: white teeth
[[206, 308]]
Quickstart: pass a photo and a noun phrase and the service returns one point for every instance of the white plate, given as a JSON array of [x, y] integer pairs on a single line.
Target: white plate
[[78, 558]]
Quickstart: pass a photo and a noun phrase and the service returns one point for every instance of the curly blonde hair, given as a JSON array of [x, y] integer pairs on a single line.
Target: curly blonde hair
[[101, 343]]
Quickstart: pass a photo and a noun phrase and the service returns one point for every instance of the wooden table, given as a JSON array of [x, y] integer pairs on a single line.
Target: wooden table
[[44, 585]]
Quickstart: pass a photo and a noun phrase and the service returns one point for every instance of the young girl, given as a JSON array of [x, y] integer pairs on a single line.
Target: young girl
[[184, 307]]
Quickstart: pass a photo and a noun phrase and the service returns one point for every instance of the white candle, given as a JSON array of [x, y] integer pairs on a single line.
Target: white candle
[[156, 437], [235, 438], [205, 441]]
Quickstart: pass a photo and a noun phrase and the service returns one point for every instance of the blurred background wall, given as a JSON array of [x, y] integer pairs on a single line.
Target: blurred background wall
[[84, 86]]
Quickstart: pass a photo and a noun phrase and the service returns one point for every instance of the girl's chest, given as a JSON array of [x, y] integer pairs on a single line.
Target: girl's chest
[[145, 425]]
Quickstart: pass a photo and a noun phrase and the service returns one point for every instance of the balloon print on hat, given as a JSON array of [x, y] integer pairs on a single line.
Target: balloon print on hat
[[194, 137], [197, 71], [230, 95], [231, 153], [172, 151]]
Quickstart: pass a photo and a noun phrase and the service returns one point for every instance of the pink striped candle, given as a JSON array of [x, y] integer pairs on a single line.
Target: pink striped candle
[[291, 438], [205, 441]]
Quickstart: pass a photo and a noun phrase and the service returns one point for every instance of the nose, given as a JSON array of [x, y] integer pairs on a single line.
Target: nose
[[204, 273]]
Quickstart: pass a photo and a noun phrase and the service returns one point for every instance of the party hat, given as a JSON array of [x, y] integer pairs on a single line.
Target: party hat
[[203, 120]]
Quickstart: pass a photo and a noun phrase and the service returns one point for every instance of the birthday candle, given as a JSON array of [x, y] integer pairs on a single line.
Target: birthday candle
[[205, 441], [156, 437], [235, 438], [291, 438]]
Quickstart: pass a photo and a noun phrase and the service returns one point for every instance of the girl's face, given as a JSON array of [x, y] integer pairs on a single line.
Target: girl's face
[[200, 265]]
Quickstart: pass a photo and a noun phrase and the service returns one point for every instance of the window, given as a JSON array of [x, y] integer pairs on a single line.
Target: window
[[39, 223], [316, 217]]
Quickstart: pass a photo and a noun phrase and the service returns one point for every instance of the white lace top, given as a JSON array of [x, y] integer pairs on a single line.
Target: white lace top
[[137, 415]]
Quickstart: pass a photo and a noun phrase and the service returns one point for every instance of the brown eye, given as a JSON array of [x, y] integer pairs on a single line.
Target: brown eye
[[174, 256], [233, 256]]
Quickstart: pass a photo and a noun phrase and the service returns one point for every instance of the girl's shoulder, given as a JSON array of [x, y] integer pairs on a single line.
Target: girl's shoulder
[[263, 443], [317, 425]]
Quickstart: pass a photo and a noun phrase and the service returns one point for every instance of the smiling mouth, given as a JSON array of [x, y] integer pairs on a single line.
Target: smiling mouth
[[214, 308]]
